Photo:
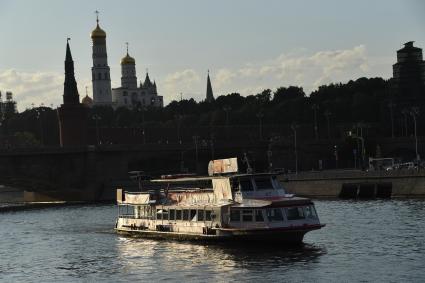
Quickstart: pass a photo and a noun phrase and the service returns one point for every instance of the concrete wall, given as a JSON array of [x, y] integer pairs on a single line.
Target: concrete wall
[[409, 183]]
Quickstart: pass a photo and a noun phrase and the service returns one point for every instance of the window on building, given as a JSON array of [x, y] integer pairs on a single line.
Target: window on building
[[274, 214], [99, 76], [235, 215], [124, 93], [247, 215], [106, 76]]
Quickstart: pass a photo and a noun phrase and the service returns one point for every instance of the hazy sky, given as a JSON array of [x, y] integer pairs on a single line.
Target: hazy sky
[[247, 45]]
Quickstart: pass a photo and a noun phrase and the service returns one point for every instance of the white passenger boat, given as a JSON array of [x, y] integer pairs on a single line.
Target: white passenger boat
[[223, 206]]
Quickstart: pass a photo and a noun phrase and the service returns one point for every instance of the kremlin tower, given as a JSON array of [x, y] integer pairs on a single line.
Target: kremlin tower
[[100, 71], [72, 114]]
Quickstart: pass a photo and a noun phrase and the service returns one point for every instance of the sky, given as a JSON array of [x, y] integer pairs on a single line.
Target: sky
[[247, 45]]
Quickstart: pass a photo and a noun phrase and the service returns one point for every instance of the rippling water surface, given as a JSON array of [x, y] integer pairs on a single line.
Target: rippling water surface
[[377, 241]]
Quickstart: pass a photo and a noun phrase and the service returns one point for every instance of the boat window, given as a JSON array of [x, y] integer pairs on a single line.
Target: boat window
[[208, 215], [275, 214], [264, 184], [310, 212], [193, 215], [159, 214], [185, 214], [172, 214], [165, 214], [247, 215], [246, 185], [200, 215], [294, 213], [259, 216], [178, 214], [235, 215]]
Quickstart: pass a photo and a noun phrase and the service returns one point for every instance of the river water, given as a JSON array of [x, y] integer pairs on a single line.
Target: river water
[[368, 241]]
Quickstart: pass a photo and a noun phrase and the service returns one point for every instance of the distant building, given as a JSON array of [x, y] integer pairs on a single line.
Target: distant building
[[409, 72], [7, 106], [210, 95], [131, 96], [72, 114], [87, 101], [101, 78]]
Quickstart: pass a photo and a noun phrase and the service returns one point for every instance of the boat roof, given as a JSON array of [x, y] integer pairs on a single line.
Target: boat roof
[[206, 178]]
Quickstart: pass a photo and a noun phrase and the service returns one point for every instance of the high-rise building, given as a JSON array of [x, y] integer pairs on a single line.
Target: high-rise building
[[101, 78], [210, 95], [409, 72]]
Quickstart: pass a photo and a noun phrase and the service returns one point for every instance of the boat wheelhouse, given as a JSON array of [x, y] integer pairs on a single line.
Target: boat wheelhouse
[[217, 207]]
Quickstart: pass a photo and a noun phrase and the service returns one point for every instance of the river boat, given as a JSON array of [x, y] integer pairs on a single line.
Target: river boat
[[225, 206]]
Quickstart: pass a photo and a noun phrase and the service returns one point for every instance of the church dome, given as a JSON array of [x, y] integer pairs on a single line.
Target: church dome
[[87, 100], [128, 60], [98, 33]]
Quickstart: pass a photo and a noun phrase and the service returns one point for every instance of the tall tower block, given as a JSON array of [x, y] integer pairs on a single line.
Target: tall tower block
[[101, 79], [210, 95], [72, 114]]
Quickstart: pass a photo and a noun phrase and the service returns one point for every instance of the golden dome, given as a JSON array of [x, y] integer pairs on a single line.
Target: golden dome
[[98, 32], [87, 100], [128, 60]]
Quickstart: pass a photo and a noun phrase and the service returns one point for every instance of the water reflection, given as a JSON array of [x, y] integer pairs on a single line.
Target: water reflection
[[215, 259]]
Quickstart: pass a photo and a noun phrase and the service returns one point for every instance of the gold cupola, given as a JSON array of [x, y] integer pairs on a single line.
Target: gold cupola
[[128, 59], [98, 32]]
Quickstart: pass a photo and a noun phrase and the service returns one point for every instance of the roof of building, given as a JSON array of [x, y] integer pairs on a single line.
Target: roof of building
[[87, 100], [98, 32]]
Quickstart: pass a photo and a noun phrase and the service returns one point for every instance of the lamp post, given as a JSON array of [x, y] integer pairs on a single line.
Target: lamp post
[[414, 112], [294, 127], [391, 107], [315, 107], [260, 116], [327, 115], [227, 109], [363, 147], [96, 118]]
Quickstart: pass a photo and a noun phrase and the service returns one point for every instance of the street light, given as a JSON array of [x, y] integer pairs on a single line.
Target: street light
[[260, 116], [414, 111], [294, 127], [327, 115], [96, 118], [363, 147], [315, 107]]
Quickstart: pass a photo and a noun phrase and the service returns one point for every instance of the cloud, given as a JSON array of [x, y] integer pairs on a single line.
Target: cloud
[[185, 82], [296, 68], [34, 88]]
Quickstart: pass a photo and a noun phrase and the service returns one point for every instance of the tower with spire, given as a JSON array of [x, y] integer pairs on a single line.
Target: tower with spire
[[71, 114], [101, 78], [210, 95], [130, 95]]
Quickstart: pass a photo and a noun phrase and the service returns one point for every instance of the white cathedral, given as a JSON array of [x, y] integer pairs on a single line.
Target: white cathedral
[[128, 94]]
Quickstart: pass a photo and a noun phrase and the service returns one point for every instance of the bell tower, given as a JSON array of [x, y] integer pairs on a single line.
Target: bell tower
[[101, 78]]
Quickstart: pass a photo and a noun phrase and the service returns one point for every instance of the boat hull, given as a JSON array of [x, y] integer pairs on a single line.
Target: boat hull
[[286, 236]]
